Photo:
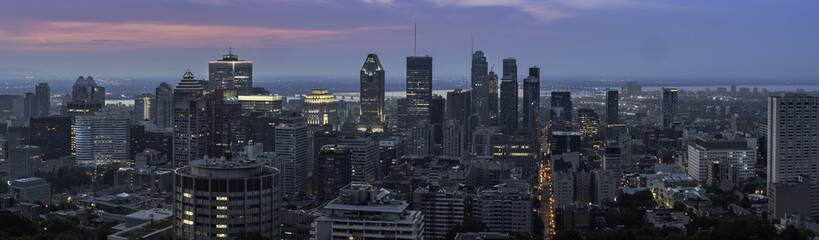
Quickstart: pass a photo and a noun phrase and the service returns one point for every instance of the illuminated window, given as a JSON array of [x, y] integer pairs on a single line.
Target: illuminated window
[[221, 207], [221, 198], [187, 222], [221, 235], [221, 226], [221, 216], [187, 195], [189, 213]]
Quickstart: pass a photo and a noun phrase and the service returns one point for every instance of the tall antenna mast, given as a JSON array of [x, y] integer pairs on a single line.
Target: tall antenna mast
[[230, 50], [415, 41], [471, 43]]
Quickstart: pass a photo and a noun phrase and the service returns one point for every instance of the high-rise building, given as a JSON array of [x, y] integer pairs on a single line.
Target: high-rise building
[[293, 147], [86, 97], [669, 107], [218, 199], [188, 88], [454, 139], [482, 141], [612, 106], [364, 157], [633, 89], [736, 153], [401, 118], [164, 106], [43, 93], [260, 104], [30, 105], [561, 111], [101, 139], [792, 155], [320, 109], [372, 114], [227, 133], [518, 146], [387, 217], [509, 94], [505, 208], [24, 161], [480, 86], [332, 171], [231, 73], [420, 138], [145, 107], [52, 134], [443, 209], [589, 124], [458, 106], [531, 100], [492, 100], [419, 89]]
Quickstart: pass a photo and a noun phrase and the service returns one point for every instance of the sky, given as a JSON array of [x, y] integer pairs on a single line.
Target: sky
[[768, 39]]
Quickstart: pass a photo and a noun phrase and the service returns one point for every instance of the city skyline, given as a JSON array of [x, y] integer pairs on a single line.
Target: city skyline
[[591, 38]]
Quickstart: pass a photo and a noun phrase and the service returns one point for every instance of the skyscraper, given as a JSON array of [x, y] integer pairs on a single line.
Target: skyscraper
[[492, 100], [588, 124], [86, 97], [509, 94], [43, 93], [531, 99], [561, 112], [480, 86], [793, 160], [454, 139], [224, 199], [333, 170], [145, 107], [518, 146], [52, 134], [458, 106], [164, 106], [320, 108], [101, 139], [419, 89], [226, 130], [293, 147], [669, 106], [363, 158], [190, 122], [372, 95], [612, 106], [231, 73]]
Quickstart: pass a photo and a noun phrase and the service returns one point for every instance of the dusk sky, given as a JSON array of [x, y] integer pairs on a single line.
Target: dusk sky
[[597, 38]]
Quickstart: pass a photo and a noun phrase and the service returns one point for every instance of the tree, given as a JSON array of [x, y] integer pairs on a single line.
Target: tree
[[12, 225]]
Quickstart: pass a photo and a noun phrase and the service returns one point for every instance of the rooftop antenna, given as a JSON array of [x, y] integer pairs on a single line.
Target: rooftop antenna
[[230, 50], [493, 68], [415, 41], [471, 43]]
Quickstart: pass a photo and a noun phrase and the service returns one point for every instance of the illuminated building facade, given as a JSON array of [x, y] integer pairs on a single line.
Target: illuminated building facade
[[320, 108], [531, 100], [588, 124], [230, 73], [218, 199], [101, 139], [419, 89], [372, 95], [189, 122], [145, 107], [517, 146], [262, 104]]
